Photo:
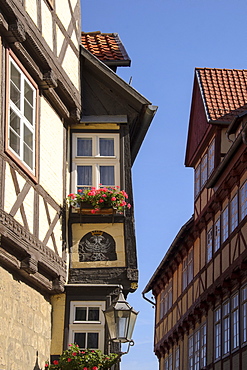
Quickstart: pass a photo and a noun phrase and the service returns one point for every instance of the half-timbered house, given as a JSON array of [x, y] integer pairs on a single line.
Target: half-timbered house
[[40, 98], [200, 286]]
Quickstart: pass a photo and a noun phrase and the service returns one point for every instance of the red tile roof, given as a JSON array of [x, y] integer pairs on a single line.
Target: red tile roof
[[107, 47], [224, 92]]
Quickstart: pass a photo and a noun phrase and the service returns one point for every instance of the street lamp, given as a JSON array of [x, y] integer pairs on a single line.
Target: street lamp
[[120, 318]]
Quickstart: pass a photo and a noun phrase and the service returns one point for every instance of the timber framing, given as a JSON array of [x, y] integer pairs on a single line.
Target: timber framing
[[24, 39]]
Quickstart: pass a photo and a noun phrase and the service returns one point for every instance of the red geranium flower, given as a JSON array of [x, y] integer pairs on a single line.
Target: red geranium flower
[[55, 362]]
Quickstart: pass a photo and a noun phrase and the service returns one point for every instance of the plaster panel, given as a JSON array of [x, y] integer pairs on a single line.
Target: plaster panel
[[46, 19], [31, 9], [51, 152], [58, 314], [71, 66], [10, 194], [60, 39], [209, 275], [115, 230], [217, 269], [25, 325], [225, 257], [63, 13]]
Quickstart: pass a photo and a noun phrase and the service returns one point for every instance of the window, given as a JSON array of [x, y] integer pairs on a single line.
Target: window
[[21, 115], [204, 168], [244, 314], [177, 359], [197, 349], [235, 321], [227, 324], [168, 363], [166, 300], [187, 274], [95, 160], [209, 244], [226, 328], [224, 218], [217, 333], [243, 201], [86, 327], [234, 213], [217, 235]]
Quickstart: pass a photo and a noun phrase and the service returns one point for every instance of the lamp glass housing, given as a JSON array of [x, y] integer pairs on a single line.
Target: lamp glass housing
[[120, 318]]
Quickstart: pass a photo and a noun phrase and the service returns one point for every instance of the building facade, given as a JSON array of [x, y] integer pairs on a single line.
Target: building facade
[[200, 285], [55, 94]]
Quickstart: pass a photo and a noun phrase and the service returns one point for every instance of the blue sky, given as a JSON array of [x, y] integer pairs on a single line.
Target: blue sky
[[166, 40]]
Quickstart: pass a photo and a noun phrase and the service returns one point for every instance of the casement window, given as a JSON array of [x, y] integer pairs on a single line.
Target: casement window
[[21, 121], [95, 160], [217, 333], [187, 274], [177, 359], [227, 319], [226, 328], [166, 300], [86, 327], [209, 244], [205, 168], [197, 349], [225, 224], [235, 321], [243, 201], [234, 213], [244, 314], [217, 235], [168, 363]]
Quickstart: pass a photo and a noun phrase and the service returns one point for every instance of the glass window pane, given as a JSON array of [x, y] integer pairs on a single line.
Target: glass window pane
[[15, 85], [28, 155], [80, 339], [93, 314], [80, 314], [84, 175], [243, 201], [28, 93], [107, 175], [14, 122], [28, 111], [106, 147], [92, 340], [14, 142], [84, 147], [28, 137]]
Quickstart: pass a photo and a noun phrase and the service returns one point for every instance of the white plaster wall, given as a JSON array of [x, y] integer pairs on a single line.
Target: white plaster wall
[[47, 24], [51, 151], [63, 13], [31, 8], [71, 66], [60, 40]]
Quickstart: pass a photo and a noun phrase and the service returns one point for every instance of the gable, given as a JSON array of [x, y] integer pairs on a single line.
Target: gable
[[198, 125]]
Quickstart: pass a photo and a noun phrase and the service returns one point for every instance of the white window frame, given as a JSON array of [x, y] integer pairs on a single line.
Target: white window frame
[[197, 348], [217, 241], [177, 359], [166, 299], [209, 244], [217, 333], [244, 315], [168, 362], [234, 213], [188, 271], [226, 329], [19, 112], [243, 201], [225, 224], [95, 160], [87, 326], [235, 321]]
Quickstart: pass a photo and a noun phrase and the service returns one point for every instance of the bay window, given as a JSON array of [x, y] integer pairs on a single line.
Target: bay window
[[95, 160]]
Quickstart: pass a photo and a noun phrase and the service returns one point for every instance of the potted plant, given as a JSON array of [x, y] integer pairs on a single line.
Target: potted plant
[[75, 359], [100, 199]]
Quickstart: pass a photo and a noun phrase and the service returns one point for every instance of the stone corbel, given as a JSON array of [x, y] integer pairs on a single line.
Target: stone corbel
[[49, 80], [132, 274], [30, 264], [58, 284], [75, 114], [18, 31]]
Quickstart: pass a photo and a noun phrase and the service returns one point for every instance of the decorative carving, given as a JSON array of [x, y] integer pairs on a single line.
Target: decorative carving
[[58, 284], [75, 114], [50, 79], [18, 30], [97, 246], [132, 274], [30, 265]]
